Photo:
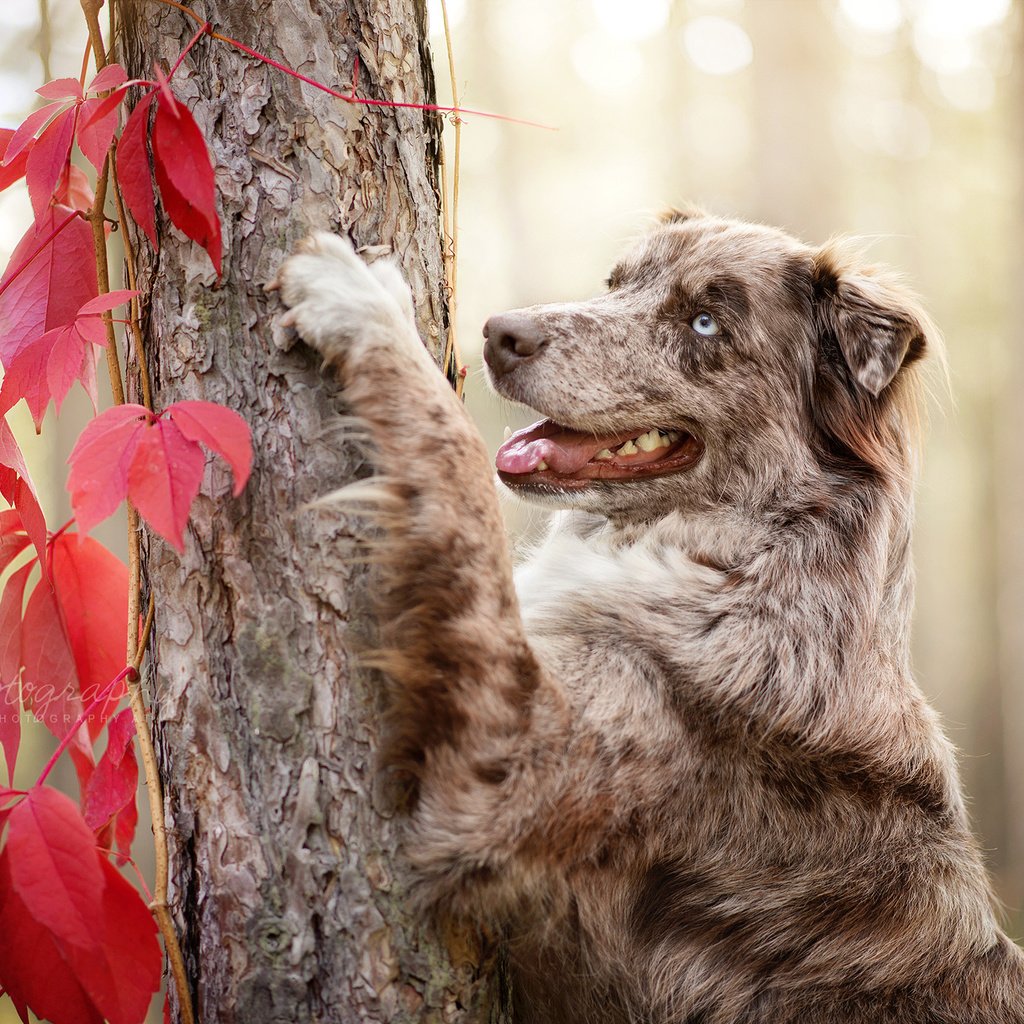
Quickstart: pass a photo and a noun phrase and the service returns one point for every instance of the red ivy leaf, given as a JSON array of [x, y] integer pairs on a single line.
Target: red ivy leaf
[[123, 978], [183, 171], [51, 285], [127, 818], [164, 477], [75, 190], [61, 89], [98, 480], [14, 170], [13, 539], [17, 490], [54, 865], [33, 970], [70, 925], [91, 588], [222, 430], [156, 462], [10, 664], [113, 784], [97, 119], [49, 680], [95, 134], [106, 302], [49, 159], [26, 132], [104, 107], [110, 77], [47, 367], [134, 176]]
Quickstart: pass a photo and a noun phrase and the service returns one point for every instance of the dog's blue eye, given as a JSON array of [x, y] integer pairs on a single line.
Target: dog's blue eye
[[705, 324]]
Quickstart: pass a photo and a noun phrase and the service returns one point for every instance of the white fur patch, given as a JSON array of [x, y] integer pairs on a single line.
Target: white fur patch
[[342, 306]]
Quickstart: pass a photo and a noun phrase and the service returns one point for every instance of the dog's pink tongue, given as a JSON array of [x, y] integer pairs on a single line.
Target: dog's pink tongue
[[565, 451]]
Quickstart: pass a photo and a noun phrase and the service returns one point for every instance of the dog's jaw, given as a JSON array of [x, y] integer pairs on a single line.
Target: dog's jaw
[[562, 458]]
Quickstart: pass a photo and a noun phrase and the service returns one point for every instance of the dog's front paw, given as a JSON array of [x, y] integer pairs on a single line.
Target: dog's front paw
[[337, 303]]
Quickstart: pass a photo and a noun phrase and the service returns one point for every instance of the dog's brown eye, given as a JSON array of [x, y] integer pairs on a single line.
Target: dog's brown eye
[[706, 324]]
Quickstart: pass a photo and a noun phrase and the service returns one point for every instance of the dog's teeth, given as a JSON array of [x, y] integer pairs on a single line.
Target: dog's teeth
[[627, 449], [542, 465], [508, 433], [648, 441], [673, 436], [604, 453]]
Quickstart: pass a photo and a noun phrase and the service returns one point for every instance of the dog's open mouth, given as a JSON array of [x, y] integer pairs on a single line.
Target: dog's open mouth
[[548, 453]]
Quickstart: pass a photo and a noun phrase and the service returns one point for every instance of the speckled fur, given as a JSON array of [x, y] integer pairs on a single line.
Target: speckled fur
[[682, 760]]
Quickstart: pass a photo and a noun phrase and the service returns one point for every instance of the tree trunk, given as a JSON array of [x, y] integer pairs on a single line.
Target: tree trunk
[[286, 880]]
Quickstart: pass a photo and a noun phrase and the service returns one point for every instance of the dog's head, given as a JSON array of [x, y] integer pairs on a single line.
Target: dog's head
[[725, 361]]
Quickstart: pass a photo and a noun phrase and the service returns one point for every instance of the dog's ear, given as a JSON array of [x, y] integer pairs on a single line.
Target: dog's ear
[[682, 213], [877, 325]]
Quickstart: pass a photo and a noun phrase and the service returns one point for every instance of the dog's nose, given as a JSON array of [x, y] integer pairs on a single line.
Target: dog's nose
[[512, 338]]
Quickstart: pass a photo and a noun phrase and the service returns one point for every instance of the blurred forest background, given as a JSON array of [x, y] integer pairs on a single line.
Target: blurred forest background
[[899, 121]]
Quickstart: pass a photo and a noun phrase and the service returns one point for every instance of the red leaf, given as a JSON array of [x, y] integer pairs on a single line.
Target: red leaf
[[54, 865], [10, 664], [61, 89], [49, 680], [164, 477], [110, 77], [127, 818], [183, 171], [106, 302], [88, 376], [27, 377], [15, 170], [13, 539], [75, 190], [104, 106], [126, 974], [51, 285], [113, 784], [69, 923], [95, 134], [222, 430], [16, 488], [63, 364], [26, 132], [47, 367], [98, 480], [134, 177], [48, 161], [33, 970], [91, 587]]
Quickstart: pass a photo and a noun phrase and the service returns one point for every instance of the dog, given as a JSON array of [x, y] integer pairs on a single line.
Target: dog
[[679, 755]]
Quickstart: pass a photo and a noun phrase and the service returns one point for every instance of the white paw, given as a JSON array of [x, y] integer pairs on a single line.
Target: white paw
[[339, 304]]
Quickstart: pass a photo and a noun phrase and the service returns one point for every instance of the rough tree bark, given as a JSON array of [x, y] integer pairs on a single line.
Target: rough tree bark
[[287, 881]]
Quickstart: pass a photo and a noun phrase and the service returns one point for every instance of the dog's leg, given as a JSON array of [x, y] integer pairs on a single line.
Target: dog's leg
[[474, 716]]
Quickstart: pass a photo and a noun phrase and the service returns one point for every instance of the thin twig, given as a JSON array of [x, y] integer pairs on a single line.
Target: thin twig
[[135, 321], [451, 350], [158, 905]]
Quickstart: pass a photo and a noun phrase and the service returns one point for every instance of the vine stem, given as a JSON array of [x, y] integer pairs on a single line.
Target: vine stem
[[348, 97], [135, 316], [136, 645], [451, 261]]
